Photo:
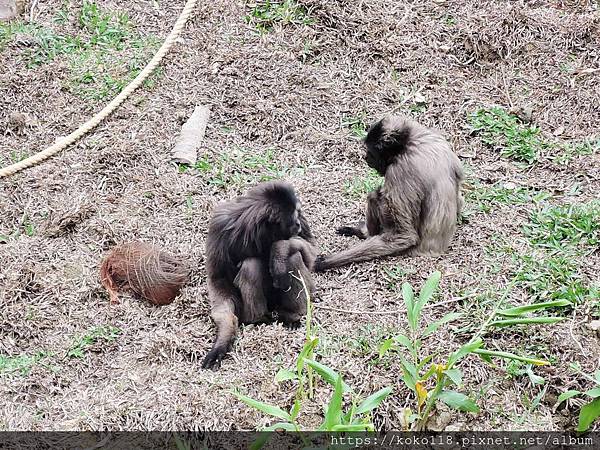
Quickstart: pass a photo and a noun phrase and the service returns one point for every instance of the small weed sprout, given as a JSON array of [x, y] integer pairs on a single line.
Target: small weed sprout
[[239, 167], [487, 198], [357, 126], [81, 344]]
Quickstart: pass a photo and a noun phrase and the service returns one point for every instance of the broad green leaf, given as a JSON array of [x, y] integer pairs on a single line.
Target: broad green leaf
[[455, 375], [284, 374], [432, 327], [295, 409], [409, 371], [486, 358], [526, 321], [328, 374], [410, 367], [354, 427], [506, 355], [408, 380], [597, 376], [535, 379], [264, 407], [373, 400], [429, 372], [588, 414], [409, 301], [333, 415], [385, 346], [401, 339], [458, 401], [519, 310], [593, 393], [425, 361], [427, 291], [308, 347], [566, 395], [469, 347]]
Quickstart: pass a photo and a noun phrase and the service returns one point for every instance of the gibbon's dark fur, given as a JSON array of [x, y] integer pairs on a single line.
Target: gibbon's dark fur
[[248, 237], [416, 209]]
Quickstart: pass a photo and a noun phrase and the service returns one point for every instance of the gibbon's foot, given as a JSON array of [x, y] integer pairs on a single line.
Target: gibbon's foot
[[213, 358]]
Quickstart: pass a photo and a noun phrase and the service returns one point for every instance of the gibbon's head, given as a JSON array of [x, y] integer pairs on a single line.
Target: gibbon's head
[[277, 209], [386, 139]]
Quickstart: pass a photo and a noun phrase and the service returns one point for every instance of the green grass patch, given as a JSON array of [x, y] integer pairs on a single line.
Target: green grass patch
[[98, 74], [239, 167], [357, 126], [567, 227], [96, 335], [105, 28], [358, 187], [523, 142], [549, 278], [511, 136], [486, 198], [45, 43], [106, 55], [267, 14], [568, 153], [21, 364]]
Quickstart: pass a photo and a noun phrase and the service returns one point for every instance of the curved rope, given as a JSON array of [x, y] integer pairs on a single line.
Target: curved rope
[[108, 109]]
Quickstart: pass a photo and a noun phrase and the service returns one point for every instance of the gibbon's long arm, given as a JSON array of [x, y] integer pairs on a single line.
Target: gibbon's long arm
[[387, 244]]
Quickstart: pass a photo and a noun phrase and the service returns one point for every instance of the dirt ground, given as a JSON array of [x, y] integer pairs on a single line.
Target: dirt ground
[[283, 103]]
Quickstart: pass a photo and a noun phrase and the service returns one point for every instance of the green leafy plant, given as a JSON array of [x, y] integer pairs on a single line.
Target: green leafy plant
[[568, 153], [429, 381], [336, 418], [591, 410], [105, 28], [432, 381], [553, 278]]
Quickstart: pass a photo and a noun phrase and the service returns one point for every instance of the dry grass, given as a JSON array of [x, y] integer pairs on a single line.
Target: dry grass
[[287, 91]]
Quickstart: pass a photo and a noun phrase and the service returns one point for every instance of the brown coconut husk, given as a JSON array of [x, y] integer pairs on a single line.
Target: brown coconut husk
[[144, 270]]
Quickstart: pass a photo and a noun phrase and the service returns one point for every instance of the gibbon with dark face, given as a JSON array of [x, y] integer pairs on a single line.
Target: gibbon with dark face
[[250, 237], [416, 209]]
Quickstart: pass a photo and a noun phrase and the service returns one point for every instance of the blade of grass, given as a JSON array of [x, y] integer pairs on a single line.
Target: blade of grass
[[506, 355]]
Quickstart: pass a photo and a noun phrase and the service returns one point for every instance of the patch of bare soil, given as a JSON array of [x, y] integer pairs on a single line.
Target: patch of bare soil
[[289, 92]]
